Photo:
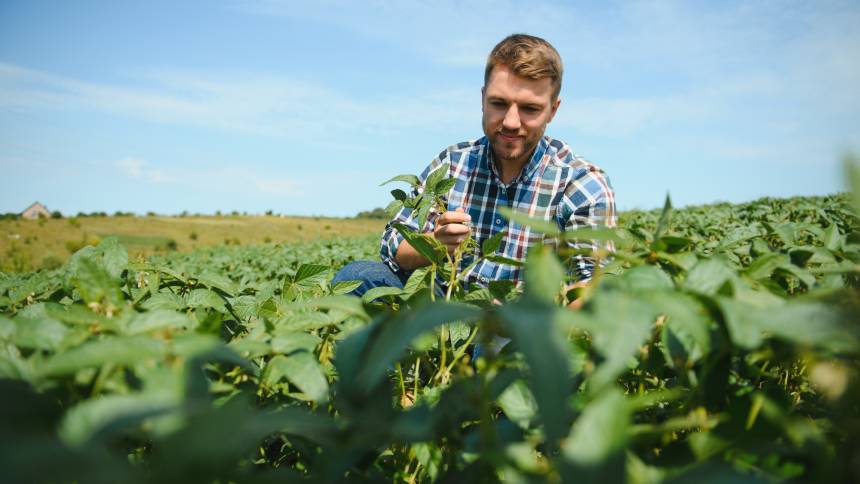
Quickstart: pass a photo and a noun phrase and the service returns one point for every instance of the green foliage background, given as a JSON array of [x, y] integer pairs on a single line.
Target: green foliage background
[[719, 343]]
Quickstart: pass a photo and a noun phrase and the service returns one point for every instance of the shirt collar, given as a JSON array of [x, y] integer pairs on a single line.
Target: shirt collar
[[528, 170]]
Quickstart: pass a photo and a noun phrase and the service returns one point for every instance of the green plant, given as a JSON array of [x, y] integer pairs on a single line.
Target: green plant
[[719, 342]]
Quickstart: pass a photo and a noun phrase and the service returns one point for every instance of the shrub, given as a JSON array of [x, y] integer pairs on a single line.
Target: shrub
[[192, 236], [56, 214], [51, 262]]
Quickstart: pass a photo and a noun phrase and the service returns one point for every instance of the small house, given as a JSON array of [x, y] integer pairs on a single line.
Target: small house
[[35, 211]]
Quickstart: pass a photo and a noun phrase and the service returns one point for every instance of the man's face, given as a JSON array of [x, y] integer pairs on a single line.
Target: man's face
[[516, 112]]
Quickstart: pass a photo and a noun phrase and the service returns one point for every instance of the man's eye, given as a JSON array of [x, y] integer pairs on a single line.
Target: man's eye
[[531, 109]]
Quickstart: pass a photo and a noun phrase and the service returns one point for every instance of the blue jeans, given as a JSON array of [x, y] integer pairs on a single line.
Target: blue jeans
[[371, 274]]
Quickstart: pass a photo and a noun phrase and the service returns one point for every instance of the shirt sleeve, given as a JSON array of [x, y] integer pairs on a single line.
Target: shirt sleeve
[[391, 238], [588, 201]]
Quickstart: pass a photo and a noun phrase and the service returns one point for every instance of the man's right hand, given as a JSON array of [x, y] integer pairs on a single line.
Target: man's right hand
[[452, 228]]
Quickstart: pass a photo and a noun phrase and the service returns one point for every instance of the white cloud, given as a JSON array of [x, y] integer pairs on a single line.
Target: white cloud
[[260, 105], [140, 169], [133, 167]]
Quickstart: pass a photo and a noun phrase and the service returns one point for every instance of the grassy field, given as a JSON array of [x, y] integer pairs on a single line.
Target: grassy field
[[34, 244]]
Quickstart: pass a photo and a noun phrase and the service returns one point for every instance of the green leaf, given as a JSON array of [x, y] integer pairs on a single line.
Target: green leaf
[[121, 350], [74, 314], [647, 278], [39, 333], [217, 281], [302, 370], [158, 320], [686, 331], [291, 342], [619, 324], [309, 275], [87, 418], [536, 224], [663, 222], [94, 283], [492, 244], [803, 323], [417, 281], [595, 447], [518, 403], [375, 293], [393, 208], [348, 304], [535, 328], [436, 176], [708, 276], [444, 186], [763, 267], [412, 180], [114, 256], [345, 287], [399, 194], [427, 246], [205, 298], [544, 276]]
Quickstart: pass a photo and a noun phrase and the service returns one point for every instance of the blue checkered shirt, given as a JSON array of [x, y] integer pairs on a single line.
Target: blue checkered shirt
[[554, 185]]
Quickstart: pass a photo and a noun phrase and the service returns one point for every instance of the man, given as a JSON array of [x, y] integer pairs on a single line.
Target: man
[[514, 165]]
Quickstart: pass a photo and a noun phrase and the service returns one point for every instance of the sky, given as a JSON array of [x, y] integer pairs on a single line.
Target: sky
[[304, 108]]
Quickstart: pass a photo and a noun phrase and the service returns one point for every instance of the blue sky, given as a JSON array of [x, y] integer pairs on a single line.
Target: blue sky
[[305, 107]]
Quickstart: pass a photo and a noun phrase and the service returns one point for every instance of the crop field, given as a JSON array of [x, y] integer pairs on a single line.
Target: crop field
[[717, 344], [27, 245]]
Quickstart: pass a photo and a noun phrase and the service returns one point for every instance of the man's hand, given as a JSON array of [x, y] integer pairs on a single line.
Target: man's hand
[[452, 228], [576, 303]]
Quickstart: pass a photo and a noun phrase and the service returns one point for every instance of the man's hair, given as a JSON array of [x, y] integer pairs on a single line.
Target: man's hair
[[527, 56]]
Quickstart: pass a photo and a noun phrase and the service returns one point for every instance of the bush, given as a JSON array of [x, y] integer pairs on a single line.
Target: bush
[[56, 214], [378, 213], [267, 240], [51, 262], [192, 236], [171, 245]]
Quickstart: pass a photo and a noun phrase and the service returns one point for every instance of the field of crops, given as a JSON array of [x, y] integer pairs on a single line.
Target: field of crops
[[719, 344]]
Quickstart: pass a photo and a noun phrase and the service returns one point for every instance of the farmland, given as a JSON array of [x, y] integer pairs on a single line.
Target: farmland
[[718, 343], [36, 244]]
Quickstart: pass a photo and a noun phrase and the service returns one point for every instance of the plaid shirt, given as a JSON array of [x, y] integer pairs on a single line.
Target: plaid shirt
[[554, 185]]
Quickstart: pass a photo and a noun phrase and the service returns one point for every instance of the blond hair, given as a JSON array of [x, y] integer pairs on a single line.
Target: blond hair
[[527, 56]]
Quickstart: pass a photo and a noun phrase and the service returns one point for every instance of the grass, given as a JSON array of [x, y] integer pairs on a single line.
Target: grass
[[34, 244]]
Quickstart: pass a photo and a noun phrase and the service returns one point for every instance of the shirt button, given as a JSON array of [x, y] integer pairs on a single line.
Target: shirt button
[[525, 178], [498, 221]]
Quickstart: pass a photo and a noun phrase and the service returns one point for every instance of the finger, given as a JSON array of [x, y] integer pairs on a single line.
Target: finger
[[458, 216], [453, 229]]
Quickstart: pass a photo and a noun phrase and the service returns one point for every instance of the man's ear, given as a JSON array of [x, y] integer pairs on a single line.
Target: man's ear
[[553, 108], [483, 91]]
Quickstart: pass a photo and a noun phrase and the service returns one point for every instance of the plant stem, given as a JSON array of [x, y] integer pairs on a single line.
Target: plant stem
[[462, 349], [417, 377]]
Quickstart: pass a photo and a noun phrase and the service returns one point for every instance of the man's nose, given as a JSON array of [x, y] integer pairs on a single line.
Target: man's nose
[[512, 118]]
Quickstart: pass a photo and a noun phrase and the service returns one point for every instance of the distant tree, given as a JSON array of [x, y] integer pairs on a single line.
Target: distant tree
[[269, 212], [56, 214], [217, 213], [184, 213], [375, 213], [151, 214]]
